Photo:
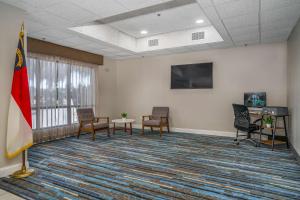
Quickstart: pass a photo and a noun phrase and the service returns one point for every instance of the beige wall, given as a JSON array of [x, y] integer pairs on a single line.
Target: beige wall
[[10, 23], [294, 85], [107, 89], [145, 82]]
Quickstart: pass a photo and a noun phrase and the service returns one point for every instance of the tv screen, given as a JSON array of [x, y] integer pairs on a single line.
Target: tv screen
[[192, 76], [255, 99]]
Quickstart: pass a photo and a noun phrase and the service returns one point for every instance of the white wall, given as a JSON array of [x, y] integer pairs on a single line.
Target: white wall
[[294, 86], [10, 23], [145, 82]]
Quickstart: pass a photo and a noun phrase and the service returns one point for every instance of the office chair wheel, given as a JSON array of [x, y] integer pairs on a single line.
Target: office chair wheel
[[235, 140]]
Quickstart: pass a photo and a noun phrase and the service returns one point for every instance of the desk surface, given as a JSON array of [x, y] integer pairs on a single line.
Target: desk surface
[[255, 113], [260, 114]]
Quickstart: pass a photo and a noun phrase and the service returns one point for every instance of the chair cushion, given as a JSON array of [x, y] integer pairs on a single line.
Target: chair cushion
[[97, 125], [253, 127], [250, 128], [152, 122]]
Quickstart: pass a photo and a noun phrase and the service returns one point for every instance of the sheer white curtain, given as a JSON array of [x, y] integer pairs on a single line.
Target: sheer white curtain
[[57, 87]]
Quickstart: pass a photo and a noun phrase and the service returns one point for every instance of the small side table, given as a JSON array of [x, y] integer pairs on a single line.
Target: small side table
[[274, 130], [125, 122]]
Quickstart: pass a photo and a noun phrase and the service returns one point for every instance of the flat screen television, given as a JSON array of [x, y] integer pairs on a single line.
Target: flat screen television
[[192, 76], [255, 99]]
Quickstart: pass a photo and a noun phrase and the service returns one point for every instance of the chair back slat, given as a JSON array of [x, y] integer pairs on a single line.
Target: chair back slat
[[85, 114], [158, 112]]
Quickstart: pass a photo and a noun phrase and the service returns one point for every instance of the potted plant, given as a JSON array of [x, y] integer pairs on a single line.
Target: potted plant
[[124, 115], [268, 121]]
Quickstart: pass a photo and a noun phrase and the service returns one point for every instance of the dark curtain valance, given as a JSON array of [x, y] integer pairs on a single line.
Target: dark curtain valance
[[47, 48]]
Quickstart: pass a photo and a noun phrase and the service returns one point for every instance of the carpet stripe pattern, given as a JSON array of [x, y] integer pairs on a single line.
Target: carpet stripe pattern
[[177, 166]]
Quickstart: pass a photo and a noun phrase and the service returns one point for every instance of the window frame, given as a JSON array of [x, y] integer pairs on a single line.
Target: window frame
[[70, 115]]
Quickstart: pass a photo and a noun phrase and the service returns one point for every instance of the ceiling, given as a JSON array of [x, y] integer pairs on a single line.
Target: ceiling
[[238, 22], [170, 20]]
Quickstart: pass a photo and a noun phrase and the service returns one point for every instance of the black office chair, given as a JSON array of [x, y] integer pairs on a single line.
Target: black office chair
[[243, 123]]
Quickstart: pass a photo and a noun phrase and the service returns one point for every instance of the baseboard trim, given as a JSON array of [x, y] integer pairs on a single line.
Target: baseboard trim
[[8, 170], [295, 153], [204, 132], [197, 131]]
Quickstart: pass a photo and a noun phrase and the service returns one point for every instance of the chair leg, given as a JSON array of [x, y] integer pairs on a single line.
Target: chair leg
[[151, 129], [168, 127], [78, 133], [160, 130], [142, 129], [108, 132], [94, 135], [237, 135]]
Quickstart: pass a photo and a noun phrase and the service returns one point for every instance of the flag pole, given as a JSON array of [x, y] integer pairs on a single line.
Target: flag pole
[[24, 171]]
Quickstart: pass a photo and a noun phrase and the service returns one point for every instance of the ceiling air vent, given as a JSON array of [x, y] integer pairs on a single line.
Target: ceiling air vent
[[198, 36], [153, 43]]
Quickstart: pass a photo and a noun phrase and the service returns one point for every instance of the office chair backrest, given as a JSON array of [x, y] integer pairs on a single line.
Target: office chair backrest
[[242, 117]]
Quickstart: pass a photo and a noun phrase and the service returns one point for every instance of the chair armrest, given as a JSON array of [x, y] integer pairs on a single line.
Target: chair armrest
[[145, 116], [98, 118], [86, 120], [257, 120], [166, 118]]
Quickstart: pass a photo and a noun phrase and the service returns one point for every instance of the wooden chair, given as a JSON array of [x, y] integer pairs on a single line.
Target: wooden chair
[[89, 123], [159, 119]]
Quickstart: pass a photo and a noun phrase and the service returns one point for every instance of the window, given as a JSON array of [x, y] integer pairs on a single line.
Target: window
[[57, 88]]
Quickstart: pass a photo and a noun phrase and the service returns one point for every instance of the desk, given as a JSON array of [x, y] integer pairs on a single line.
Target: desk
[[274, 128]]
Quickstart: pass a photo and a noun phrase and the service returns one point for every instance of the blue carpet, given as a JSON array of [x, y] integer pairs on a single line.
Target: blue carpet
[[177, 166]]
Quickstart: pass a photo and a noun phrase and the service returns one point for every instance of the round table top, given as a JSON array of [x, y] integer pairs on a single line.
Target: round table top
[[123, 120]]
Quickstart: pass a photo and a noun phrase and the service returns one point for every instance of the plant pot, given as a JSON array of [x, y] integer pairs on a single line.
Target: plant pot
[[268, 125], [123, 118]]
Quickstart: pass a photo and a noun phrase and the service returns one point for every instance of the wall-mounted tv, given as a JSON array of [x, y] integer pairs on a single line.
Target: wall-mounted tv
[[192, 76], [255, 99]]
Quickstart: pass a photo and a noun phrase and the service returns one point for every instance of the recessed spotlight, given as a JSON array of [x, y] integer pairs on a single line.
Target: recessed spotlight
[[199, 21], [144, 32]]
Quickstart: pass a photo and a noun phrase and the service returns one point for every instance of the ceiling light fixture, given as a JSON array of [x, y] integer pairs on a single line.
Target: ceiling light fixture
[[199, 21], [144, 32]]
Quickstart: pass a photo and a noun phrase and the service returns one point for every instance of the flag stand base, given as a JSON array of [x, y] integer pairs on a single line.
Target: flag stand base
[[23, 172]]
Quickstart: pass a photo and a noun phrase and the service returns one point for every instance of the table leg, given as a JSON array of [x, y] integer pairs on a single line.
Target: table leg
[[125, 128], [130, 128], [114, 128], [285, 131]]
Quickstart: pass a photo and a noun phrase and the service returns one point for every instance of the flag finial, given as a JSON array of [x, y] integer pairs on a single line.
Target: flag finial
[[22, 30]]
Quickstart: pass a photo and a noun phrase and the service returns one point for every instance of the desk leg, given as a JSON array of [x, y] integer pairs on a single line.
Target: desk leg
[[125, 127], [130, 128], [114, 128], [260, 132], [285, 131], [273, 133]]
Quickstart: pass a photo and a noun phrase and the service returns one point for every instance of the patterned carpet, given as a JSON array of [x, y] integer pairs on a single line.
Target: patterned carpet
[[178, 166]]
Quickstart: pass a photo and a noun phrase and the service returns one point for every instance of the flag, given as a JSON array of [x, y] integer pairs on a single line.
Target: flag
[[19, 125]]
